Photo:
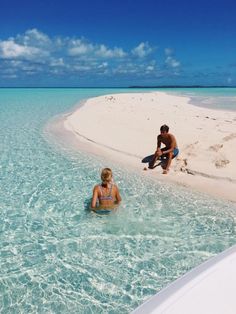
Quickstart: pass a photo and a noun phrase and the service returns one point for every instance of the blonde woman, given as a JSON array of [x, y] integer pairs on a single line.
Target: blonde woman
[[106, 193]]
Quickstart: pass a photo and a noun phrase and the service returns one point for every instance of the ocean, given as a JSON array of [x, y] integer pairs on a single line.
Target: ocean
[[56, 255]]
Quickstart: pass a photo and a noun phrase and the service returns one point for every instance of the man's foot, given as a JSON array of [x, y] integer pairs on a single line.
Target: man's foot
[[165, 171]]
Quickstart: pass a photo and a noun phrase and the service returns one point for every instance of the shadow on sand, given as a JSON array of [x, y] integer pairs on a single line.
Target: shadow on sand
[[148, 159]]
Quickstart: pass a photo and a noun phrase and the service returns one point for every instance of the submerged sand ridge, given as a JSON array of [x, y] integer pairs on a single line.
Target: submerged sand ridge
[[125, 126]]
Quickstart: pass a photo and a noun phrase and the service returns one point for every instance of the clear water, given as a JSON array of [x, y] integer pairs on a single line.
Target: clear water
[[55, 255], [215, 98]]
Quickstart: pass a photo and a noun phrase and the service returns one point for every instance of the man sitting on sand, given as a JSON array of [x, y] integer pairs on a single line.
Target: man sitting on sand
[[167, 153]]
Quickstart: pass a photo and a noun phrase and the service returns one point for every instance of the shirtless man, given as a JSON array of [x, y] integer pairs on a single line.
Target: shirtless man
[[170, 150]]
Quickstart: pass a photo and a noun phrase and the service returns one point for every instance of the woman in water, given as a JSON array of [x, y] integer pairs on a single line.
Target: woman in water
[[107, 193]]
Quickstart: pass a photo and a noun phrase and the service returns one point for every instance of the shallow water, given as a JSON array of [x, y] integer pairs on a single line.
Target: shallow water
[[214, 98], [58, 257]]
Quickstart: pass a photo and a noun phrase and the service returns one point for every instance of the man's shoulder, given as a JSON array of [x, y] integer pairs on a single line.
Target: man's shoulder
[[171, 135]]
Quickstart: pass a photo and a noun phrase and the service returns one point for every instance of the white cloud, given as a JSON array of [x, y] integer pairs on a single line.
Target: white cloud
[[28, 46], [57, 62], [103, 65], [142, 50], [134, 69], [33, 37], [14, 63], [169, 51], [9, 76], [35, 52], [150, 68], [170, 59], [172, 62], [11, 50], [79, 47], [82, 68], [104, 52]]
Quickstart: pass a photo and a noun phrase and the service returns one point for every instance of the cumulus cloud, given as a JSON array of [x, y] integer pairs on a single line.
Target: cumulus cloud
[[142, 50], [57, 52], [57, 62], [31, 45], [168, 51], [104, 52], [150, 68], [170, 60], [35, 53], [79, 47], [35, 38], [103, 65], [9, 49]]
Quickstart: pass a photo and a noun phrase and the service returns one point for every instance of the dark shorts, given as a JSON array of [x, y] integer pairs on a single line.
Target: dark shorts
[[175, 152], [102, 211]]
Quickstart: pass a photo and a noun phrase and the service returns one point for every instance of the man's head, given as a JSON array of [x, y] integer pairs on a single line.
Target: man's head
[[164, 129]]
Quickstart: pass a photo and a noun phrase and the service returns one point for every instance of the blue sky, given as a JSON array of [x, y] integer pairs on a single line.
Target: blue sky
[[117, 43]]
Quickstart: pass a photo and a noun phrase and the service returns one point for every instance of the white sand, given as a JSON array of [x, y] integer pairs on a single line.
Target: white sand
[[124, 127]]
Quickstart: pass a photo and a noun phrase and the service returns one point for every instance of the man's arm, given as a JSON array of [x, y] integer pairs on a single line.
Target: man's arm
[[158, 150], [172, 144], [158, 141]]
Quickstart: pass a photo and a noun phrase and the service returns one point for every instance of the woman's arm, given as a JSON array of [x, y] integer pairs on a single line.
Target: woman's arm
[[118, 197], [95, 197]]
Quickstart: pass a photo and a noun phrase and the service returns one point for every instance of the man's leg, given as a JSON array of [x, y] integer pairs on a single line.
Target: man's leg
[[169, 159], [152, 162]]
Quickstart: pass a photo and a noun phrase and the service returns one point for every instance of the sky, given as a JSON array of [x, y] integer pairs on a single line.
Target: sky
[[108, 43]]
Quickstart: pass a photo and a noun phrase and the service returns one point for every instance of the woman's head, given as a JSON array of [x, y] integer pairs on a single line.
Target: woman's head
[[106, 175]]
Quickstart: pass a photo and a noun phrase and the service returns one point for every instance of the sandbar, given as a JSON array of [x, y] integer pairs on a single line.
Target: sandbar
[[124, 128]]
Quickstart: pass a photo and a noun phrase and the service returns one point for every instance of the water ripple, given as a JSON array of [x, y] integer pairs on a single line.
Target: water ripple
[[58, 257]]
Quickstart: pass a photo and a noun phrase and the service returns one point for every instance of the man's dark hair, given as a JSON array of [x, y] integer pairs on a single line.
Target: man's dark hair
[[164, 128]]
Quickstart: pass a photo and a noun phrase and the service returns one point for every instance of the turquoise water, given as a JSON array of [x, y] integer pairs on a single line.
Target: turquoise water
[[56, 256], [215, 98]]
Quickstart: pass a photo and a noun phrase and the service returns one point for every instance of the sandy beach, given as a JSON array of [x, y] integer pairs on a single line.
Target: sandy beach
[[124, 128]]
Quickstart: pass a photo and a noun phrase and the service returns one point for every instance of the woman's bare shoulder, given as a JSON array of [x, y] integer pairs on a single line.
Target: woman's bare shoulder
[[96, 187], [115, 187]]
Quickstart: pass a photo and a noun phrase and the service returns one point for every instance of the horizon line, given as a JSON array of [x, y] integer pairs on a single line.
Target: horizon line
[[134, 86]]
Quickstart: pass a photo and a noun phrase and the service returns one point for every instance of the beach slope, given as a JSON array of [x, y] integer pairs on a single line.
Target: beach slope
[[124, 127]]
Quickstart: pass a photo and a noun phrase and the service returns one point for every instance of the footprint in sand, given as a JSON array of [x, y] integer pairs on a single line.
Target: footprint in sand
[[110, 98], [221, 163], [229, 137], [189, 149], [216, 148], [181, 164]]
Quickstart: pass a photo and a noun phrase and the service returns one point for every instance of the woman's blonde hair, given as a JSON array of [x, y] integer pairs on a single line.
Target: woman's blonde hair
[[106, 175]]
